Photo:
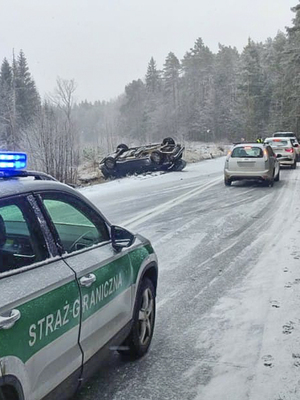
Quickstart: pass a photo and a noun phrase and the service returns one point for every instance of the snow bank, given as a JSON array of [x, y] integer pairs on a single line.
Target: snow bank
[[255, 329]]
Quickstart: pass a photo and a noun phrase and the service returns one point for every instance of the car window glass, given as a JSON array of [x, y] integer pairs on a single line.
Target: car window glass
[[75, 229], [247, 152], [278, 143], [21, 242]]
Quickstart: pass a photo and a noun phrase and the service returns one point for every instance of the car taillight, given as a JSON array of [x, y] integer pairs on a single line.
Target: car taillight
[[290, 150]]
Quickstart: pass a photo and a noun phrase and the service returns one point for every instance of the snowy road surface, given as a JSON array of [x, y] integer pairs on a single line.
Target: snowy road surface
[[228, 305]]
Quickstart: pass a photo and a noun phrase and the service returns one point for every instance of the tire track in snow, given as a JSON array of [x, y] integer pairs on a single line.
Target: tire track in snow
[[145, 216]]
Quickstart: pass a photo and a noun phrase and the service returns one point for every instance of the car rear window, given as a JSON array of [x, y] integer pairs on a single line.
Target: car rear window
[[281, 134], [278, 143], [247, 152]]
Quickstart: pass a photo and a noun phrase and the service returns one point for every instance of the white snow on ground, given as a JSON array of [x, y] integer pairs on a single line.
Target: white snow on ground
[[254, 330], [256, 326], [139, 182]]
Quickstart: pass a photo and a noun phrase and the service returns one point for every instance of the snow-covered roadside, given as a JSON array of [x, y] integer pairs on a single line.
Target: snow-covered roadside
[[255, 330], [141, 183], [198, 151]]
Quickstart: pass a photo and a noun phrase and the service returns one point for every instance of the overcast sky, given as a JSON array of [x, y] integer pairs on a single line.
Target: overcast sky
[[105, 44]]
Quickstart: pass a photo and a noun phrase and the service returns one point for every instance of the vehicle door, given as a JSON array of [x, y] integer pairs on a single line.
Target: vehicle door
[[104, 276], [274, 165], [39, 304]]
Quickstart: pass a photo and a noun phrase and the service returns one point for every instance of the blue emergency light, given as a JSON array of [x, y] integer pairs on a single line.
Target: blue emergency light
[[12, 161]]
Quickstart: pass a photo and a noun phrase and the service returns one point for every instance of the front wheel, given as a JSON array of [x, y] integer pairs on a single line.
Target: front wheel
[[293, 166], [139, 339], [227, 182], [277, 177], [168, 140], [110, 163], [122, 147], [179, 165]]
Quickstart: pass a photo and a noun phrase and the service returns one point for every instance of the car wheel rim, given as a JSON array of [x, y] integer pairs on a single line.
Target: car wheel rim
[[146, 317]]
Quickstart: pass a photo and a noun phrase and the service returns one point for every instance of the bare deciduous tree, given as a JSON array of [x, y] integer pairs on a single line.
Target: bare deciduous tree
[[53, 139]]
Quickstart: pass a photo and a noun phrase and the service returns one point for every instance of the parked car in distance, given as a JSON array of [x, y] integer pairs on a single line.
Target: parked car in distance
[[165, 156], [284, 150], [73, 286], [251, 161], [294, 141]]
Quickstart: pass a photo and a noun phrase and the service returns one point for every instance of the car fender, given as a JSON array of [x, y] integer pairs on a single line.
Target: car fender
[[148, 263], [10, 368]]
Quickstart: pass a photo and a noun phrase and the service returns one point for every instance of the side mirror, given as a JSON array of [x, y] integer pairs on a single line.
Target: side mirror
[[296, 145], [121, 238]]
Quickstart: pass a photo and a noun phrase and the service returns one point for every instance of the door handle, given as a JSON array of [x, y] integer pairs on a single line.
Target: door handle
[[8, 322], [87, 280]]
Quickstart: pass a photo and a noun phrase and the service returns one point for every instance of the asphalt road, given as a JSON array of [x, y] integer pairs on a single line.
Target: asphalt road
[[207, 238]]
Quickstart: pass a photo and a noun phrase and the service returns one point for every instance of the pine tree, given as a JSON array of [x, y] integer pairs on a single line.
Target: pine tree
[[27, 97], [252, 90], [7, 108], [198, 92], [227, 121], [273, 63], [153, 111], [171, 79], [171, 104], [132, 111], [292, 75], [153, 78]]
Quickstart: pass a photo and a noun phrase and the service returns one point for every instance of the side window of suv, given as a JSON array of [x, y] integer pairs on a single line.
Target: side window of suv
[[21, 241], [77, 226]]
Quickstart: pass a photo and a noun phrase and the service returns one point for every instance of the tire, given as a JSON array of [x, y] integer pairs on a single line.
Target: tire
[[293, 166], [122, 146], [156, 157], [105, 173], [277, 177], [179, 165], [110, 163], [140, 336], [269, 182], [168, 140], [227, 182]]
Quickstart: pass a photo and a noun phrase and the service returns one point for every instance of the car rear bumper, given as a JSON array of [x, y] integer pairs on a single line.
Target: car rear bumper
[[286, 161], [251, 175]]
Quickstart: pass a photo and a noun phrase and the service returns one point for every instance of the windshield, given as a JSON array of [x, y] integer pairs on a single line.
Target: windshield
[[247, 152], [278, 142], [284, 134]]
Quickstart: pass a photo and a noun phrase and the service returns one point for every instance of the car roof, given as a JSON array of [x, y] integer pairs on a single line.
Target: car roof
[[15, 185], [278, 138], [243, 144], [18, 186], [284, 133]]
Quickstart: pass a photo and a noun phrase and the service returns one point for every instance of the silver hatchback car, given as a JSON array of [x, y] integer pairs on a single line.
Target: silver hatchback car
[[251, 161]]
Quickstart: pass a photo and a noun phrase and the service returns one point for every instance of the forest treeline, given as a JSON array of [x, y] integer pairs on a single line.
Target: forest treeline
[[203, 97]]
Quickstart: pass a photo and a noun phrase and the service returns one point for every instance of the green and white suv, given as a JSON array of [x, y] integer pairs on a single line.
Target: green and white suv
[[72, 287]]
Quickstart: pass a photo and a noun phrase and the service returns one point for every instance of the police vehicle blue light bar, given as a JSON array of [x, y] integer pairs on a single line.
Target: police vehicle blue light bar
[[12, 161]]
